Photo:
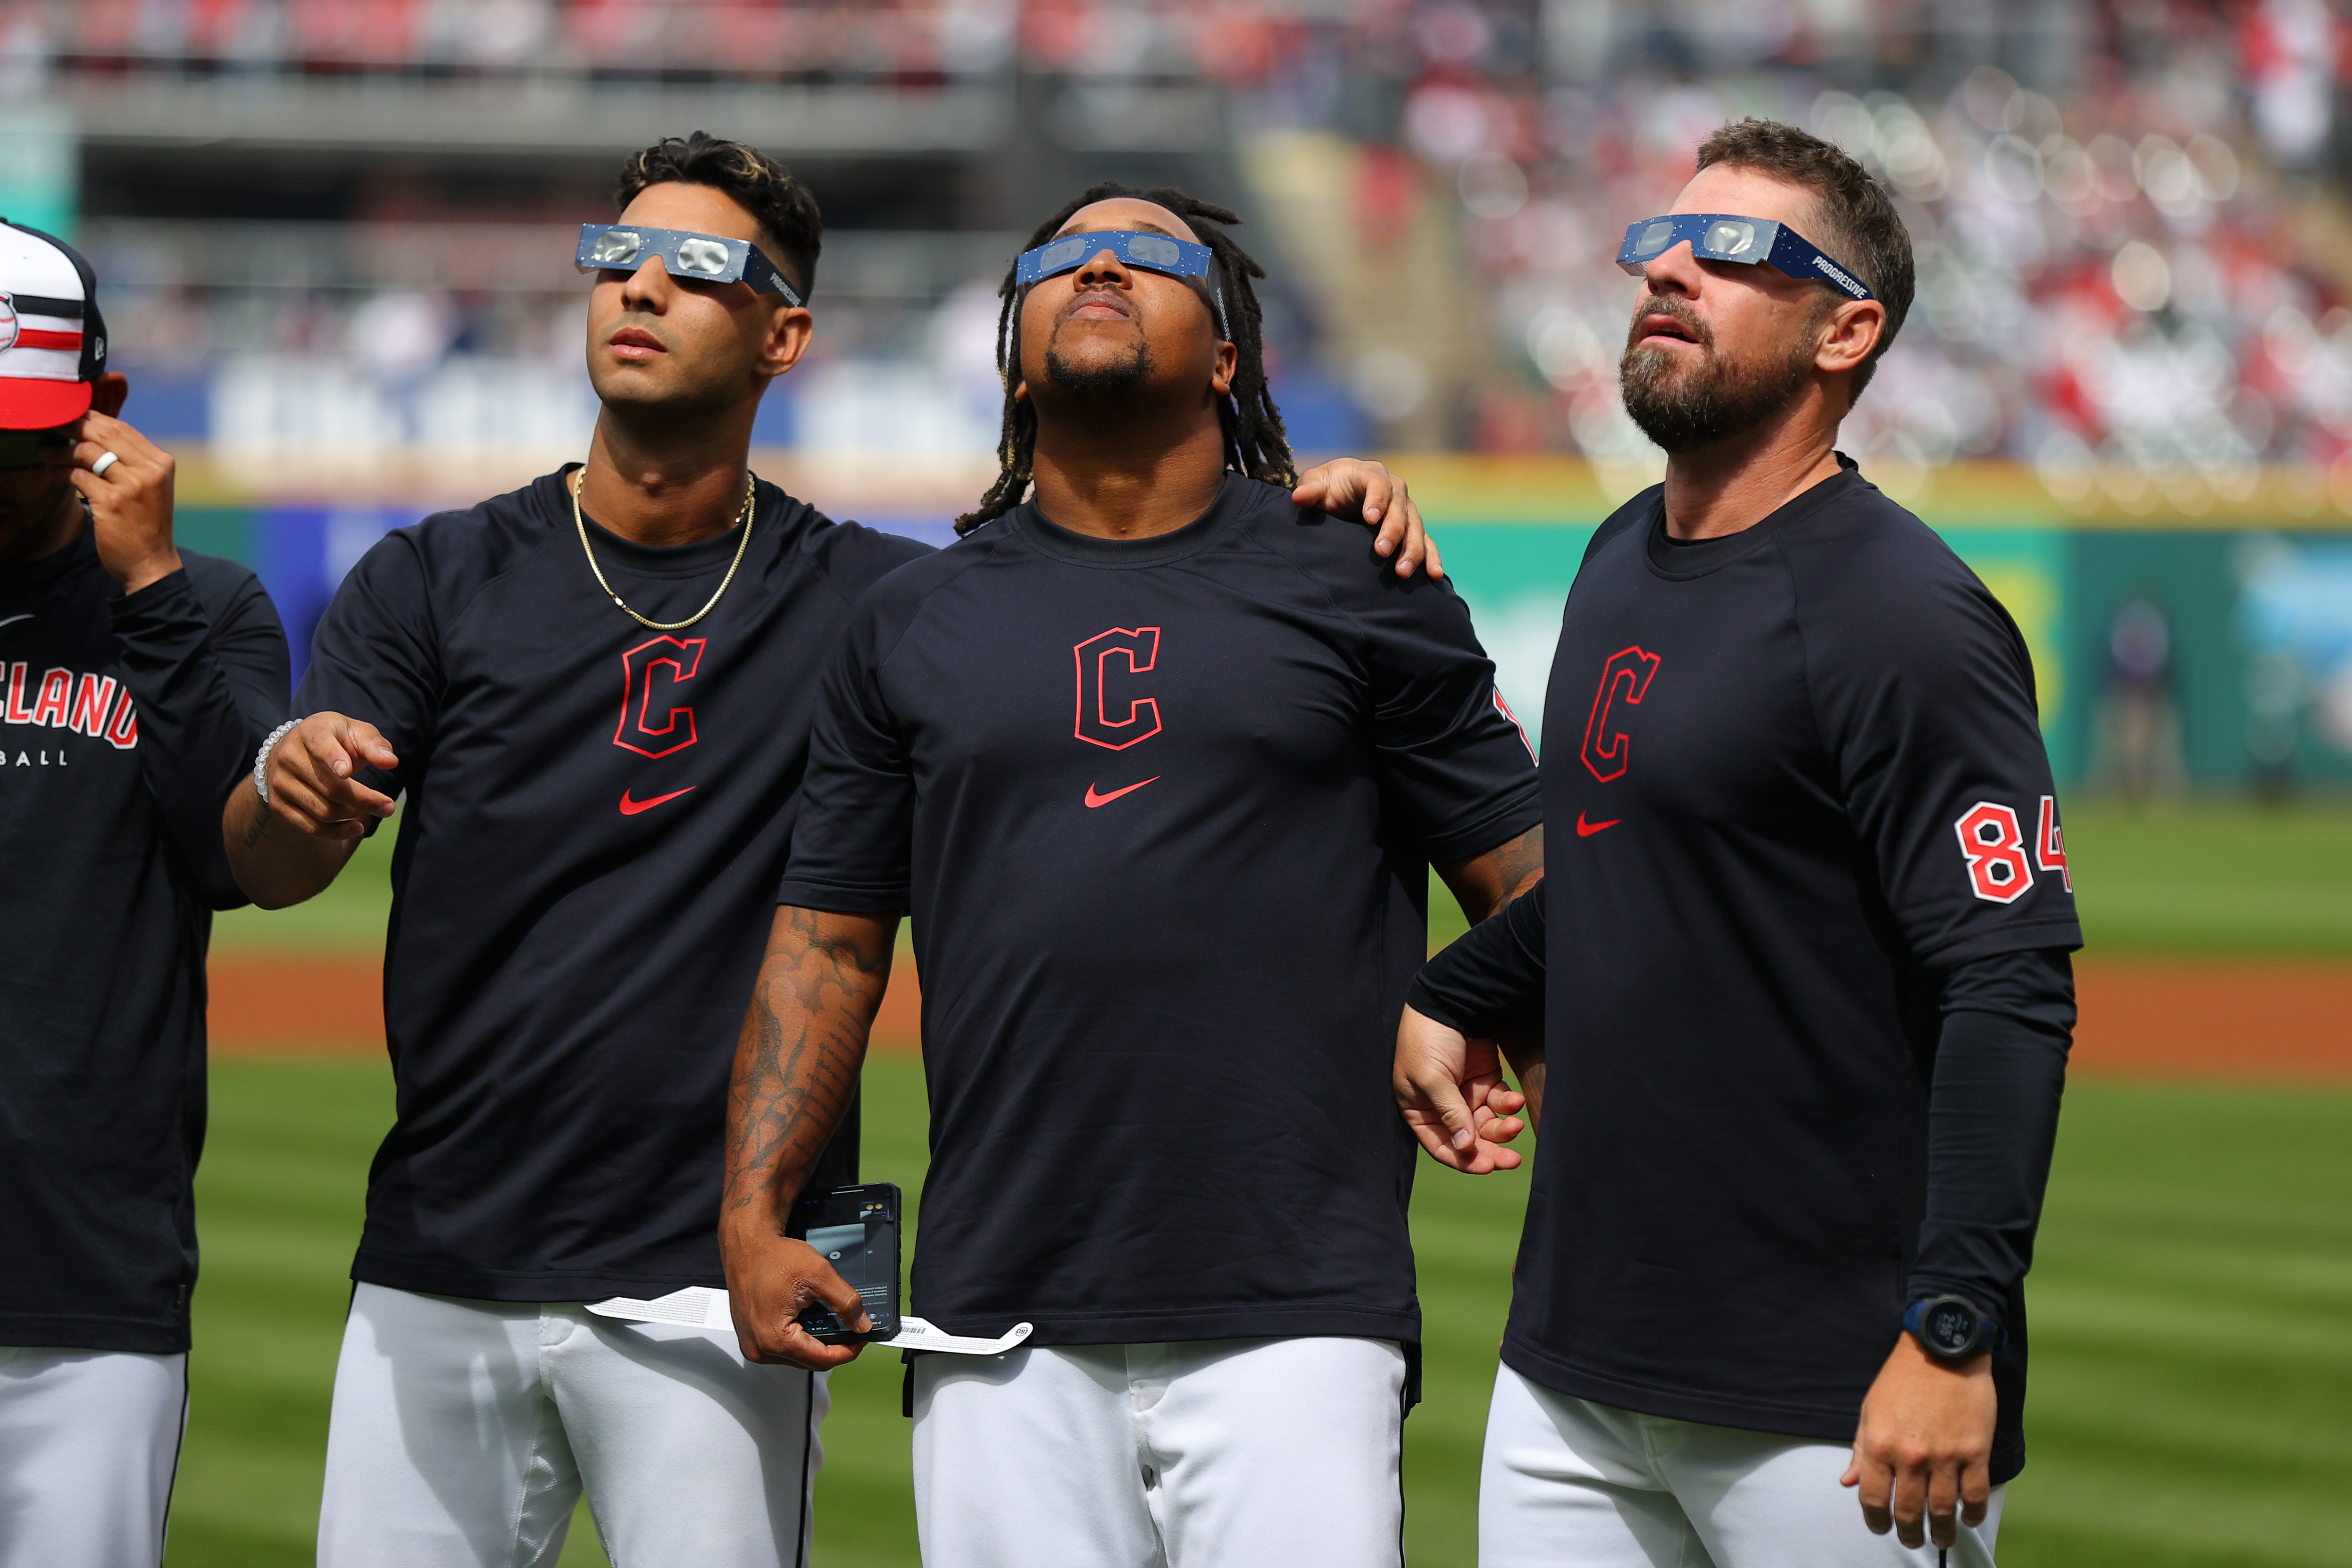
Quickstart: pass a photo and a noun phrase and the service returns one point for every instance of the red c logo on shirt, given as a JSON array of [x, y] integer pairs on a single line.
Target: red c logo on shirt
[[1139, 720], [1606, 752], [658, 666]]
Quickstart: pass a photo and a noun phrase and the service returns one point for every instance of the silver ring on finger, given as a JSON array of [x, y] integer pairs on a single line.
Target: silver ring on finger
[[105, 461]]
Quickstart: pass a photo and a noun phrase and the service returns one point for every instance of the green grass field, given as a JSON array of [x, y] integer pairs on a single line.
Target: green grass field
[[2200, 876], [2191, 1402]]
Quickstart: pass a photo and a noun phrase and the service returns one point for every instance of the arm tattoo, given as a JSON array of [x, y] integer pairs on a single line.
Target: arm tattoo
[[260, 826], [803, 1042], [1484, 883], [1518, 865]]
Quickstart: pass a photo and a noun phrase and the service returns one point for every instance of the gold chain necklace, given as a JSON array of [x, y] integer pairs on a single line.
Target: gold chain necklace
[[744, 522]]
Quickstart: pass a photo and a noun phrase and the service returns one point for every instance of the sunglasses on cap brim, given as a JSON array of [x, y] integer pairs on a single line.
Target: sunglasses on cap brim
[[1160, 252], [1727, 236], [704, 258]]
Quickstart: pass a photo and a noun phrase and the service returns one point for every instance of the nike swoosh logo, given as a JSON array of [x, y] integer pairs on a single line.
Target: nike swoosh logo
[[1587, 829], [12, 620], [630, 808], [1094, 800]]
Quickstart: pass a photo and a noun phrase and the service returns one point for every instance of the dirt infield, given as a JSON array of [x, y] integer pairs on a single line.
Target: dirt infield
[[2187, 1017], [2209, 1018], [305, 1004], [299, 1003]]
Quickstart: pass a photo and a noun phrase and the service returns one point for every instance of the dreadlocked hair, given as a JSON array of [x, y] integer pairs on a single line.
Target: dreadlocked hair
[[1256, 443]]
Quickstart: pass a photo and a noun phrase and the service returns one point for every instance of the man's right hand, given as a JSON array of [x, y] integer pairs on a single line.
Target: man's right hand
[[771, 1281], [311, 773], [1451, 1091]]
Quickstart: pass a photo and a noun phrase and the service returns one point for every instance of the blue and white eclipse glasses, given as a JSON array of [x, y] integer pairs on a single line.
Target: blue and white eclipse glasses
[[705, 257], [1725, 237], [1160, 252], [1137, 248]]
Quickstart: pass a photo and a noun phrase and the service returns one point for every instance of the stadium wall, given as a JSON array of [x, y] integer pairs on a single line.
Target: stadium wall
[[2245, 680]]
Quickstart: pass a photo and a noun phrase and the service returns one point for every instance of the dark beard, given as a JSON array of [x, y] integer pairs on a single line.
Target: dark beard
[[1713, 400], [1100, 381]]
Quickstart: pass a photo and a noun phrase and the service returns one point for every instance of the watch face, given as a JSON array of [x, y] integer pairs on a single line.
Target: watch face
[[1949, 1327]]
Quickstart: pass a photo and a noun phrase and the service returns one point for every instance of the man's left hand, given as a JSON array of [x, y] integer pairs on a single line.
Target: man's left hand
[[1450, 1092], [130, 504], [1924, 1449], [1364, 489]]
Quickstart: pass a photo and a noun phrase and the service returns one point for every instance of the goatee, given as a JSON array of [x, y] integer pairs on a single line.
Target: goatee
[[1688, 408], [1098, 380]]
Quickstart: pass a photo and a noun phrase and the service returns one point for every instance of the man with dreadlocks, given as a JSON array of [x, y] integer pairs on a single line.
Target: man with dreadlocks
[[1161, 941]]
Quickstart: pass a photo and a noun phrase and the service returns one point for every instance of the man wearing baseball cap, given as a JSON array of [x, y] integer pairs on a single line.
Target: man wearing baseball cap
[[136, 680]]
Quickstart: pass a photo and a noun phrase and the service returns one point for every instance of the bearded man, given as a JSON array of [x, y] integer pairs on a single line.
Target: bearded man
[[1814, 1000]]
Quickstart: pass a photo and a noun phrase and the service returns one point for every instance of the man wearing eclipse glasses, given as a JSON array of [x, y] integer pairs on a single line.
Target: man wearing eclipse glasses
[[1159, 762], [135, 678], [1802, 968], [582, 880]]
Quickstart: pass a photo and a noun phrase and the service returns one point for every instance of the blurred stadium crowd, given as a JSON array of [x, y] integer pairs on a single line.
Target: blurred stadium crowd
[[2131, 240], [2133, 283]]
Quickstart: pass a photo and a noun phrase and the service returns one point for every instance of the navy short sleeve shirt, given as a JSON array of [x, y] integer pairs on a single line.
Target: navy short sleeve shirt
[[596, 816], [1163, 813]]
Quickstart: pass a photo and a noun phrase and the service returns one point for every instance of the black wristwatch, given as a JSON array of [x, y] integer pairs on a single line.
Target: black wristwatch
[[1950, 1328]]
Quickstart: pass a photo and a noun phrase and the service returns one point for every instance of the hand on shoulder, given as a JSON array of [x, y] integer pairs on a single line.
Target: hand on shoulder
[[1363, 490]]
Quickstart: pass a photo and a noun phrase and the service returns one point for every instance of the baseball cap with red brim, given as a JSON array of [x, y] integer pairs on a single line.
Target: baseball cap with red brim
[[52, 339]]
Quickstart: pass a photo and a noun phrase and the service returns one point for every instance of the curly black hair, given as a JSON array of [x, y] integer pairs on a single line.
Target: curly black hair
[[1256, 443], [760, 185]]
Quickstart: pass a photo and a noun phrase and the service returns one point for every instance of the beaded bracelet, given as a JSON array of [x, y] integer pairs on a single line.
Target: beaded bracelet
[[261, 759]]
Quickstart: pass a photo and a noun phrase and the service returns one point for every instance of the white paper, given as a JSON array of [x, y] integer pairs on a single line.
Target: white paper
[[915, 1334], [699, 1307], [696, 1307]]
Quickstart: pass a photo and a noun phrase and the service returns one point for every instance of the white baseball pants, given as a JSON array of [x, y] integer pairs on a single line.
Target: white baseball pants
[[1568, 1482], [463, 1433], [1278, 1453], [88, 1444]]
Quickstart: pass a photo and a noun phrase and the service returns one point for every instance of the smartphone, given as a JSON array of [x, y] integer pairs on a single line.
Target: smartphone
[[855, 1229]]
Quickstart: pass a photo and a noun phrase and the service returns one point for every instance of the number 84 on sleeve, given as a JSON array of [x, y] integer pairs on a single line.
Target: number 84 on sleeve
[[1994, 843]]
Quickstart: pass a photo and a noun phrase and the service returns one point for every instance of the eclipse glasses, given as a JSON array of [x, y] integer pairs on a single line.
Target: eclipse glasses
[[704, 258], [1725, 237], [1160, 253]]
